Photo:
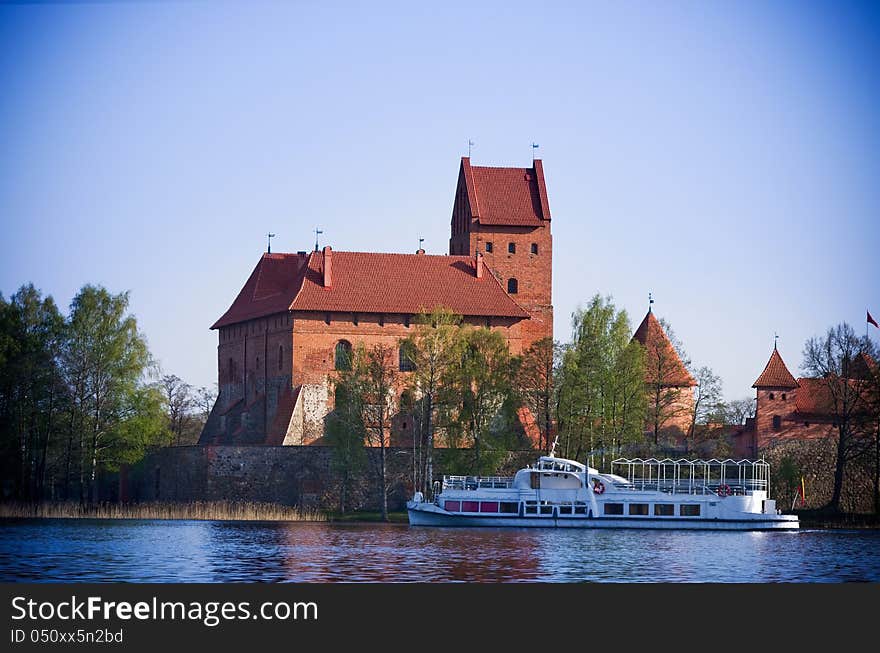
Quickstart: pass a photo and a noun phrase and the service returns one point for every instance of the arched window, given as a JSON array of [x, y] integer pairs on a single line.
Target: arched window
[[512, 286], [511, 248], [772, 396], [405, 358], [777, 422], [534, 248], [343, 355], [280, 357], [783, 396]]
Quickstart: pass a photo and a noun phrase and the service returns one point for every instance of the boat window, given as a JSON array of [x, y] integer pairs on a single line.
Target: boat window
[[509, 508], [664, 509], [546, 510], [531, 510], [489, 506], [689, 510], [564, 510], [638, 508], [452, 506], [613, 508], [470, 506], [580, 510]]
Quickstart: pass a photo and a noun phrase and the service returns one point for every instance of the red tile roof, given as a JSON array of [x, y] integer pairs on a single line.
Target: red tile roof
[[271, 287], [369, 283], [403, 283], [653, 338], [507, 196], [813, 398], [775, 374]]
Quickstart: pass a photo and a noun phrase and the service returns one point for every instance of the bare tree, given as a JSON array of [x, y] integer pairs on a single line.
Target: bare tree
[[534, 380], [831, 360], [179, 403], [707, 397]]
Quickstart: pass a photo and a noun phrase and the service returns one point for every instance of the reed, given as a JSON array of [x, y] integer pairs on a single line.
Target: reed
[[199, 510]]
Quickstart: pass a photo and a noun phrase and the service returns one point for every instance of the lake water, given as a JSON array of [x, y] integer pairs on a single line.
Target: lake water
[[197, 551]]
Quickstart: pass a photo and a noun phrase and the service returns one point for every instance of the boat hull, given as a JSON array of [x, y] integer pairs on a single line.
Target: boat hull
[[427, 514]]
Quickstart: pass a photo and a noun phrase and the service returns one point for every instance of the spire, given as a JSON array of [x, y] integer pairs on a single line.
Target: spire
[[776, 374], [654, 339]]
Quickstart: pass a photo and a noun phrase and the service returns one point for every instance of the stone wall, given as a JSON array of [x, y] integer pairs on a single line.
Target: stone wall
[[289, 475]]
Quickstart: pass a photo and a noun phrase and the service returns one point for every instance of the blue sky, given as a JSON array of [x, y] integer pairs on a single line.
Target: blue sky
[[724, 156]]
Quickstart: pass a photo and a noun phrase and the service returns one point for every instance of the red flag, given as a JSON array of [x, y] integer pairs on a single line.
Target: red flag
[[871, 320]]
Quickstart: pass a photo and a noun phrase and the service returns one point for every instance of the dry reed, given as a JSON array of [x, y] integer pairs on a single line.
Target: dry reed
[[199, 510]]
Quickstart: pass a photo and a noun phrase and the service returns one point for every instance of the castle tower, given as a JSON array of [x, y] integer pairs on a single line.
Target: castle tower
[[777, 398], [667, 380], [503, 214]]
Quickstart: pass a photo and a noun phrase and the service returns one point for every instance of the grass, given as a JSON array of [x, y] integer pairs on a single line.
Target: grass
[[199, 510]]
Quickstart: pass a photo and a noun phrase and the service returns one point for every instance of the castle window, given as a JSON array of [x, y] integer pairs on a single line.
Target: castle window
[[342, 358], [406, 321], [405, 358], [231, 370], [489, 246], [354, 318], [488, 322], [382, 319], [327, 318], [783, 396], [511, 248], [512, 286], [258, 362], [534, 248], [772, 396], [777, 422], [280, 358]]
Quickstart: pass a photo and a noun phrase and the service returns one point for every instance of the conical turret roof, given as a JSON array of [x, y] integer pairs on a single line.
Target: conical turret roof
[[776, 374], [654, 339]]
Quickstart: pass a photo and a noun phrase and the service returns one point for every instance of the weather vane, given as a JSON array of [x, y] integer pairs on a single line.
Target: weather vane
[[650, 301], [318, 232], [775, 338], [269, 248], [470, 145], [535, 146], [421, 240]]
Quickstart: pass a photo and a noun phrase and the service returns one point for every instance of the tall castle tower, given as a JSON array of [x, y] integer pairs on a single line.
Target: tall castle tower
[[503, 215], [776, 399]]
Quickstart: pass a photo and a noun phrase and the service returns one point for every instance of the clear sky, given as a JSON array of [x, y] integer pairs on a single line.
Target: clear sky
[[723, 155]]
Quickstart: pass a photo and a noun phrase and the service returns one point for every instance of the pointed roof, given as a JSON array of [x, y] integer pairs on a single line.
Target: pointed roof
[[775, 374], [654, 339], [504, 196]]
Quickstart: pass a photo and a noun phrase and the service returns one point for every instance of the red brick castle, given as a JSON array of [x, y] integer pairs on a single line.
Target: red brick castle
[[299, 314]]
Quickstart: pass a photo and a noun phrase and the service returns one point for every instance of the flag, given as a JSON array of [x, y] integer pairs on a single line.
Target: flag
[[871, 320]]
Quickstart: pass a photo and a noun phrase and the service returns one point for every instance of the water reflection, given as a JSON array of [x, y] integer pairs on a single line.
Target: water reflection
[[175, 551]]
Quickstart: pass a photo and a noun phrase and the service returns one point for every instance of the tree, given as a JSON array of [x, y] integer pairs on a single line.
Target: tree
[[434, 350], [370, 383], [600, 383], [484, 383], [707, 399], [31, 393], [104, 358], [535, 384], [739, 410], [831, 360], [346, 436], [179, 402]]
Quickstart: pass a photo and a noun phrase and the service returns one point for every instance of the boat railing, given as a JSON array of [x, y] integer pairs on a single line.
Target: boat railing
[[682, 476], [477, 482], [687, 487]]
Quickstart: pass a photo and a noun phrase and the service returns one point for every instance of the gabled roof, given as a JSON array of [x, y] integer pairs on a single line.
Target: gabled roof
[[365, 282], [271, 287], [369, 283], [505, 196], [775, 374], [653, 338]]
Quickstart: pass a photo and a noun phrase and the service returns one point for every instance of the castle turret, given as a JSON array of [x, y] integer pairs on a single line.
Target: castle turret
[[503, 214], [776, 395]]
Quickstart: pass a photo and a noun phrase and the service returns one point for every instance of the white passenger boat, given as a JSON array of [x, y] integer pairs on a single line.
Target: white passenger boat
[[645, 493]]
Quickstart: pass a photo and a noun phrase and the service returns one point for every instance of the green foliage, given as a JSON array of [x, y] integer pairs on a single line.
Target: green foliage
[[600, 384]]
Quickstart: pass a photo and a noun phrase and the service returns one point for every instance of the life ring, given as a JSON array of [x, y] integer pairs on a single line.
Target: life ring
[[599, 487], [723, 490]]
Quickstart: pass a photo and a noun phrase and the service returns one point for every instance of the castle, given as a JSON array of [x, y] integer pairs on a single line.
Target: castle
[[298, 315]]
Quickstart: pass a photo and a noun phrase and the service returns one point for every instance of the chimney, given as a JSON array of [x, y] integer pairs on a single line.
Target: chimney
[[328, 267], [478, 265]]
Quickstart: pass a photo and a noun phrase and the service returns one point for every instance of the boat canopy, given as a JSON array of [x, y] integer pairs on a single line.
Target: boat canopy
[[559, 464]]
